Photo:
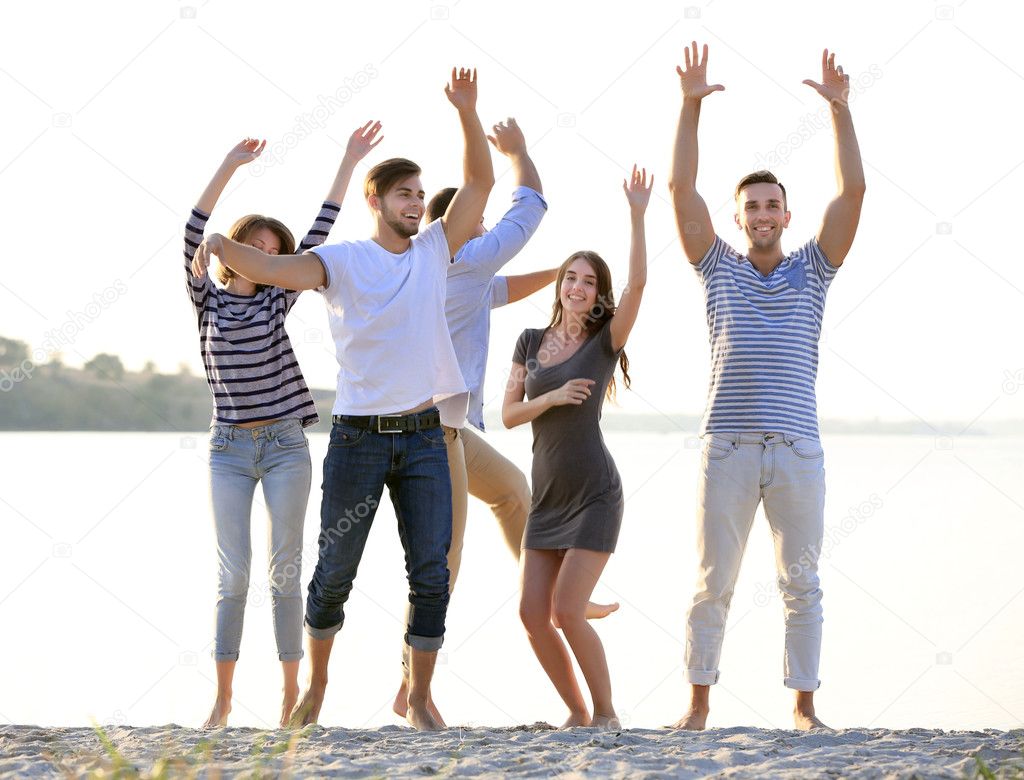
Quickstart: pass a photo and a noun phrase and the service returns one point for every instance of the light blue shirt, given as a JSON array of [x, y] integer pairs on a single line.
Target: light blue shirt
[[474, 289]]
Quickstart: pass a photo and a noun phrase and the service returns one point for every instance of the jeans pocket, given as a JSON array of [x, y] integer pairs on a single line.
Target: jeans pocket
[[808, 449], [718, 449], [346, 435], [434, 438], [218, 442], [291, 439]]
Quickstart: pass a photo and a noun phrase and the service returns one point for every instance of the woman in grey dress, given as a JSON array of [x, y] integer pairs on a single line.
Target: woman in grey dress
[[567, 370]]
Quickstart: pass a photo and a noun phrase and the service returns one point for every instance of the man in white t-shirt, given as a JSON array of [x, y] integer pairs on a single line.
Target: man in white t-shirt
[[398, 381]]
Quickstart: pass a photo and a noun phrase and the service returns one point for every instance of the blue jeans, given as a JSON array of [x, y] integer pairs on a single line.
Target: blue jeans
[[276, 455], [414, 466]]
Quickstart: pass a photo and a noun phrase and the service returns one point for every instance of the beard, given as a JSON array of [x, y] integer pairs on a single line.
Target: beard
[[401, 227]]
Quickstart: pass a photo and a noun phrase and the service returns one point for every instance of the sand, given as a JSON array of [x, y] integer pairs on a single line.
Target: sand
[[536, 751]]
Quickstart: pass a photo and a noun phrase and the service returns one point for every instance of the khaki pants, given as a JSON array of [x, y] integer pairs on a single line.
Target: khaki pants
[[787, 475], [479, 470]]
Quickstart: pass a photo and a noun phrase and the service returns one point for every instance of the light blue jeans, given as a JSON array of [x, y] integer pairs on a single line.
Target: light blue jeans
[[276, 455]]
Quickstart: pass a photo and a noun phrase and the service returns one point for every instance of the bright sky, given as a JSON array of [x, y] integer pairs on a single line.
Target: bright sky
[[117, 114]]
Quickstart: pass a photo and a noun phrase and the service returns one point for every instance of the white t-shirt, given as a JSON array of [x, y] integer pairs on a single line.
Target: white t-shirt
[[390, 334]]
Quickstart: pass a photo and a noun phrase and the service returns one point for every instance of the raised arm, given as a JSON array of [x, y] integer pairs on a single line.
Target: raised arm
[[510, 141], [839, 225], [292, 272], [360, 143], [243, 152], [692, 216], [638, 194], [492, 250], [524, 285], [467, 207]]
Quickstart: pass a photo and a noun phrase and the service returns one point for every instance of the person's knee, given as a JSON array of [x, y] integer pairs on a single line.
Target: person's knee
[[568, 615], [233, 583], [284, 578], [534, 615], [800, 594]]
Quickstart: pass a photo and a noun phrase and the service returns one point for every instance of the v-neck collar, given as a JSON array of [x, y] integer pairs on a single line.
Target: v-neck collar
[[563, 362]]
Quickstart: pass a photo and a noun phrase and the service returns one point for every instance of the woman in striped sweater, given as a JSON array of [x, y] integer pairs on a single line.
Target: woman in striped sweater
[[260, 406]]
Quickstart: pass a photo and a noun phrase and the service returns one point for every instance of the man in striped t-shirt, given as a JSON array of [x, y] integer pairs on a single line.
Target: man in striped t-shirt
[[764, 312]]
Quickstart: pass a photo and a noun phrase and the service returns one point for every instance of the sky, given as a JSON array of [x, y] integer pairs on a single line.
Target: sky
[[117, 113]]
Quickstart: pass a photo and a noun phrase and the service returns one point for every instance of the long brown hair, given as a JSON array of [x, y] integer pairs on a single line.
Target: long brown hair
[[244, 228], [602, 310]]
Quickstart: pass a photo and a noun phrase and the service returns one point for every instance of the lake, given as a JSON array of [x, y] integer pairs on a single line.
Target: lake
[[108, 592]]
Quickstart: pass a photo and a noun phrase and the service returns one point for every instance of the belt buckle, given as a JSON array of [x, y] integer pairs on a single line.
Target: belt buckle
[[382, 417]]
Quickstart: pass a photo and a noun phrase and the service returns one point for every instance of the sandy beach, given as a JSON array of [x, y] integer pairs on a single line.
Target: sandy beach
[[533, 751]]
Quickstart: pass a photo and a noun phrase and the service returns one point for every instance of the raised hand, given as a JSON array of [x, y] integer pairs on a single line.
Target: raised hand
[[835, 85], [572, 393], [245, 151], [508, 138], [461, 92], [638, 190], [693, 79], [363, 140]]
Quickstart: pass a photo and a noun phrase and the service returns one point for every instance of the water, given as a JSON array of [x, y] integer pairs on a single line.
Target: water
[[107, 593]]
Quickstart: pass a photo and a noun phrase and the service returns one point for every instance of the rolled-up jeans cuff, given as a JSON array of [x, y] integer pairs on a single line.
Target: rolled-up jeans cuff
[[290, 656], [701, 677], [424, 643], [220, 657], [801, 685], [322, 633]]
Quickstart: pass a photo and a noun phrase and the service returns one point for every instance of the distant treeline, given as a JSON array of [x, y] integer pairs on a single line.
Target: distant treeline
[[103, 396]]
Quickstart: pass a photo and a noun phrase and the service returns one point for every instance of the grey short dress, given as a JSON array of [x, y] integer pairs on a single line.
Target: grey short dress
[[577, 494]]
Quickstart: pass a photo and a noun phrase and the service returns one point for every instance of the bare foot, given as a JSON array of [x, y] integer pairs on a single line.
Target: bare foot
[[219, 715], [806, 721], [401, 705], [577, 719], [592, 612], [420, 718], [598, 611], [694, 720], [291, 695], [607, 722], [308, 709]]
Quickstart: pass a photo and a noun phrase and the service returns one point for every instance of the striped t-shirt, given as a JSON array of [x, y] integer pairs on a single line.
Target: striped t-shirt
[[764, 334], [250, 367]]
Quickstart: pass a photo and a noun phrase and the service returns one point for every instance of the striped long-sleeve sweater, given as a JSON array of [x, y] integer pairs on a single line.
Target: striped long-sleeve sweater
[[250, 366]]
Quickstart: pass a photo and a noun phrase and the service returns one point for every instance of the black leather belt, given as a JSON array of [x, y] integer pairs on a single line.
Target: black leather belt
[[392, 423]]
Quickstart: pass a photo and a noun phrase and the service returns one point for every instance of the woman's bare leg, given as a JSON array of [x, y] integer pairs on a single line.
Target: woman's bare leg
[[577, 578], [539, 574]]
